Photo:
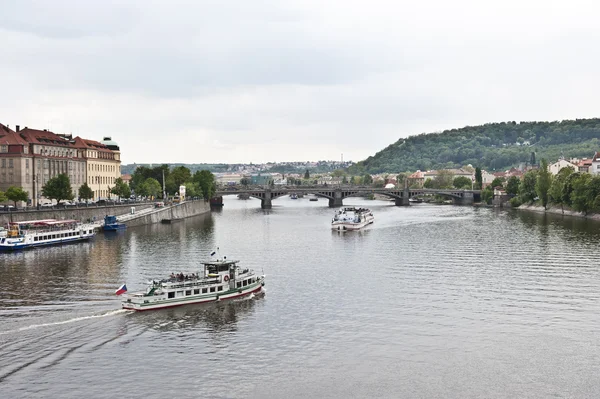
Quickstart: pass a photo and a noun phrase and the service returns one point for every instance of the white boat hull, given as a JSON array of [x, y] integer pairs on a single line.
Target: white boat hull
[[161, 302], [345, 225]]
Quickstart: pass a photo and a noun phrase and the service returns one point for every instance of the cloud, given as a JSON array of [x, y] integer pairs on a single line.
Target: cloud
[[236, 81]]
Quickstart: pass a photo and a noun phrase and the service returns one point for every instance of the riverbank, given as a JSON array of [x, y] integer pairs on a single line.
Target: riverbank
[[183, 210], [555, 210]]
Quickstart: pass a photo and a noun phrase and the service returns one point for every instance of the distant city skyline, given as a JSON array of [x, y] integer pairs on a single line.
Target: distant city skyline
[[239, 82]]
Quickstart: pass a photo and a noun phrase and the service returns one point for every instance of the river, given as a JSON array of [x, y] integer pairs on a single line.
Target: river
[[428, 302]]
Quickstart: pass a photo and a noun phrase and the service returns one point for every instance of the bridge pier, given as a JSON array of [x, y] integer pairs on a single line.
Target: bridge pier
[[403, 200], [337, 199], [266, 201]]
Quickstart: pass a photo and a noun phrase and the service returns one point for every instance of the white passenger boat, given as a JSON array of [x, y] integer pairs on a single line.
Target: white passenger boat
[[219, 281], [36, 233], [352, 218]]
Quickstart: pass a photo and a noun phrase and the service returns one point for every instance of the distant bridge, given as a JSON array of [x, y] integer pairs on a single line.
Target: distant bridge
[[336, 194]]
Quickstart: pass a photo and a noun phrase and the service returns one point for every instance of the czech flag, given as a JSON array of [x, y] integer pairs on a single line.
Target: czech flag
[[122, 289]]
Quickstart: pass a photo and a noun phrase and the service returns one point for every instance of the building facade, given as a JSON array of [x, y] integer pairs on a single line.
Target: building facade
[[51, 155], [103, 165], [29, 158]]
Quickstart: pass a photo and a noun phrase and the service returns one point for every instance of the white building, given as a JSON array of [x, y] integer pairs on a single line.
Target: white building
[[561, 163]]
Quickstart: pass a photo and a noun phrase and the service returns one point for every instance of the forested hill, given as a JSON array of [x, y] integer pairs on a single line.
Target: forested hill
[[493, 146]]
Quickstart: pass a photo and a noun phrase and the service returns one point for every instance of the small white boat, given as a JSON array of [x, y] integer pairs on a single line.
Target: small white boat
[[352, 218], [36, 233], [219, 281]]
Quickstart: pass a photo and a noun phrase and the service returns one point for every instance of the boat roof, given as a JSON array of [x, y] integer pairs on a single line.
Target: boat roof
[[221, 262], [46, 222], [33, 221]]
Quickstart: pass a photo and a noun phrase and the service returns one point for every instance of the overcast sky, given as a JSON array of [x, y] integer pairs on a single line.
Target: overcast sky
[[290, 80]]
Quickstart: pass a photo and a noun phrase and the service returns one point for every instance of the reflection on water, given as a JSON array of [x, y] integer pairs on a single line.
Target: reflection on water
[[211, 317]]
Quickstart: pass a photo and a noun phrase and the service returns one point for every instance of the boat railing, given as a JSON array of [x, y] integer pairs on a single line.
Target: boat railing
[[176, 283]]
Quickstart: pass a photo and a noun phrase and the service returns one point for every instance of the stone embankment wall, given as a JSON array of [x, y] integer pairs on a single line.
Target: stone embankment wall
[[77, 213], [184, 210]]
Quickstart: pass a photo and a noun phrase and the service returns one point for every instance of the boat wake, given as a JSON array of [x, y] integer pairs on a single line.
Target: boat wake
[[76, 319]]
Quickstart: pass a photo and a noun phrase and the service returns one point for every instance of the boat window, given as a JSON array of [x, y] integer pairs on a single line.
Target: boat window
[[212, 289], [245, 283], [188, 292], [238, 284], [196, 291], [171, 295], [223, 268], [204, 290], [220, 288]]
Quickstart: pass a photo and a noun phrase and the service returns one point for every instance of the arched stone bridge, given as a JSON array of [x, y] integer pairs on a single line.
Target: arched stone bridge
[[336, 194]]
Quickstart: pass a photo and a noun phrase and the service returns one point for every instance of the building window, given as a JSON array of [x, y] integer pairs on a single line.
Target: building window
[[4, 163], [11, 178], [4, 148], [10, 163], [27, 178], [27, 163]]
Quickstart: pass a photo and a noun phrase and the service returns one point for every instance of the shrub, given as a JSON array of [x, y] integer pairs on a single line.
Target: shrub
[[515, 202]]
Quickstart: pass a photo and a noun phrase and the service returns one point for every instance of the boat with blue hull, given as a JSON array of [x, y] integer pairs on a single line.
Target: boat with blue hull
[[37, 233], [111, 224]]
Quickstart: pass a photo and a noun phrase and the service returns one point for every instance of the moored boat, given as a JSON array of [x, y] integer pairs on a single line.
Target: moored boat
[[36, 233], [111, 224], [352, 218], [219, 280]]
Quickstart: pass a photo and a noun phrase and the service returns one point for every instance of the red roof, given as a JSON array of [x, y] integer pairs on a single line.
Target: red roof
[[8, 136], [91, 144], [44, 137], [596, 156]]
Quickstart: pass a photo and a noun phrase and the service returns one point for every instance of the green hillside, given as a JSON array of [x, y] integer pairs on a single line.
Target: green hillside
[[493, 146]]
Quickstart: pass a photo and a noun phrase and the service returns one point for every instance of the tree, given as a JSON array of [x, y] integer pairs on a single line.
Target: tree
[[121, 189], [58, 188], [497, 182], [487, 194], [543, 182], [532, 159], [149, 188], [512, 185], [345, 180], [579, 197], [401, 179], [306, 174], [85, 192], [428, 183], [2, 197], [478, 179], [555, 193], [180, 175], [206, 182], [192, 189], [16, 194], [245, 181], [443, 179], [367, 179], [527, 187], [462, 182]]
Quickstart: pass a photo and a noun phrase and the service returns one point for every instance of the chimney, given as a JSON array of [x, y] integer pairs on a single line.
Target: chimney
[[18, 128]]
